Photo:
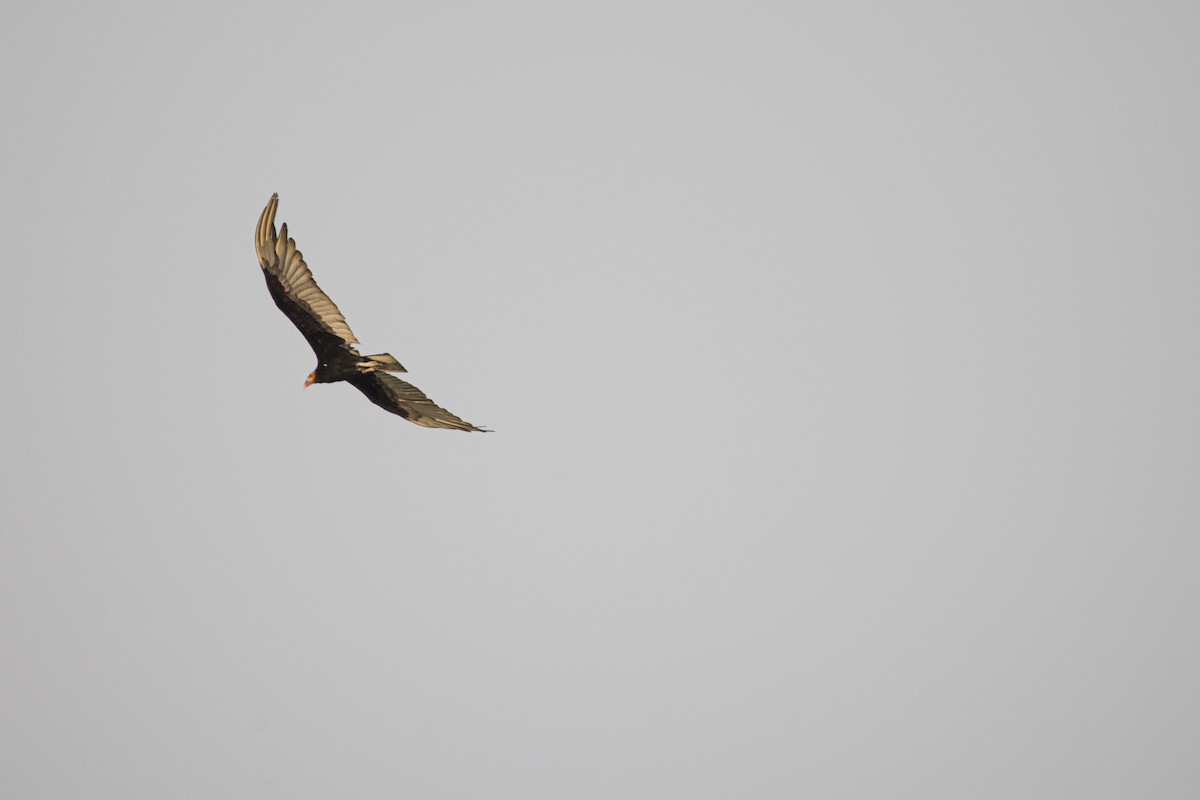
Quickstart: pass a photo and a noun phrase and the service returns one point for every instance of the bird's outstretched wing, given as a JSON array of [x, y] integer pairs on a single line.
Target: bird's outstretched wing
[[398, 397], [296, 293]]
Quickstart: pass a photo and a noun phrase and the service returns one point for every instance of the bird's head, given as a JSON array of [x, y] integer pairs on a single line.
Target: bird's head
[[310, 380]]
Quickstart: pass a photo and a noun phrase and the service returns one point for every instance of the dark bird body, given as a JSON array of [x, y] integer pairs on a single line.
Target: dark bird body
[[316, 317]]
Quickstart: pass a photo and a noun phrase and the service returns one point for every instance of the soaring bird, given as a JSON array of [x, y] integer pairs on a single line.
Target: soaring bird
[[322, 324]]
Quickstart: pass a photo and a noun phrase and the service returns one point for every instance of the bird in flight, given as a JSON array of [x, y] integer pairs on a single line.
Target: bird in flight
[[322, 324]]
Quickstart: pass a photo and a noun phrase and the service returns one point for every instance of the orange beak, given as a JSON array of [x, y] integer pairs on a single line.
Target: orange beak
[[310, 380]]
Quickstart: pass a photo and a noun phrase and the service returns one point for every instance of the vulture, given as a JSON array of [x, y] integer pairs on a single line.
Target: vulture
[[300, 299]]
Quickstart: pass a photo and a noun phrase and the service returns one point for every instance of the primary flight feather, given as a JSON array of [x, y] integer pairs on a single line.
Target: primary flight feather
[[322, 324]]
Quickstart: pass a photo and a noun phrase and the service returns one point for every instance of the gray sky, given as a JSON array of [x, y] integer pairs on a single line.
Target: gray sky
[[843, 362]]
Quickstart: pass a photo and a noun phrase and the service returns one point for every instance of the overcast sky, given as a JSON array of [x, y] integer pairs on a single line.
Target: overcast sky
[[843, 358]]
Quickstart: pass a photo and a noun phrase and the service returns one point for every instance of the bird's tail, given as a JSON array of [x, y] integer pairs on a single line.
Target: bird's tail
[[384, 362]]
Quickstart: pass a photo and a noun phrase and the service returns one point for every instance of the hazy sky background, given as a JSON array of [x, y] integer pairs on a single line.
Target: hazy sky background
[[844, 362]]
